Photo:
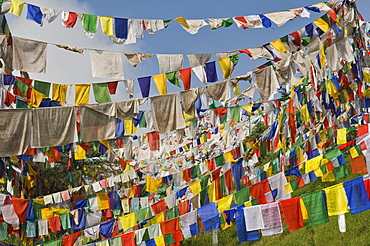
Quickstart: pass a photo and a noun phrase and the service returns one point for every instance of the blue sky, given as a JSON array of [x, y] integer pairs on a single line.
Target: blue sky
[[70, 68]]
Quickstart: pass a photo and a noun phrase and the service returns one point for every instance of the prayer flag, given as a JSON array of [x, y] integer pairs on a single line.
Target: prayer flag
[[82, 94], [226, 67], [101, 92], [316, 208], [107, 25], [160, 82], [16, 8], [341, 136], [336, 200], [60, 93], [128, 221], [279, 46]]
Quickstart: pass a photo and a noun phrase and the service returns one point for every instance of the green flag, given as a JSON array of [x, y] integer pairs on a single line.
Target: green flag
[[173, 77], [43, 87], [316, 208], [90, 23], [101, 93]]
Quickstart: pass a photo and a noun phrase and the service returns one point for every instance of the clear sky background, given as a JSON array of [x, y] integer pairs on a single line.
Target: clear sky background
[[72, 68]]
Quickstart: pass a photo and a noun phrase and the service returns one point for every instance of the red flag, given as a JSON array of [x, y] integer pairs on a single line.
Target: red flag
[[112, 86], [185, 75]]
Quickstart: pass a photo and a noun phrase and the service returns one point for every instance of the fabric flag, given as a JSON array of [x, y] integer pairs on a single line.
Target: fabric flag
[[211, 71], [195, 187], [69, 19], [316, 208], [160, 82], [322, 24], [16, 8], [101, 92], [36, 98], [243, 234], [292, 213], [128, 239], [185, 75], [34, 13], [128, 221], [60, 93], [226, 67], [336, 200], [42, 87], [121, 28], [209, 216], [341, 136], [154, 141], [358, 164], [90, 24], [152, 185], [225, 203], [112, 86], [357, 197], [144, 84], [82, 94], [271, 219], [173, 77], [106, 64], [107, 25], [80, 154], [279, 46]]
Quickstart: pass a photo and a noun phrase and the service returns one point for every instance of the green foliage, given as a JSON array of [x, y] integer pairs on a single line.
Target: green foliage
[[257, 131]]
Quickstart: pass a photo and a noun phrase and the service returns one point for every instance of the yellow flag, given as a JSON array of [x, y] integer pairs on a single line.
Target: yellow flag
[[159, 241], [152, 185], [128, 221], [30, 182], [226, 67], [60, 93], [36, 98], [248, 204], [336, 200], [157, 219], [160, 82], [103, 200], [82, 94], [322, 57], [236, 89], [31, 171], [105, 143], [323, 25], [182, 22], [288, 188], [212, 192], [329, 177], [16, 8], [303, 209], [248, 108], [332, 89], [313, 164], [107, 25], [353, 152], [228, 156], [189, 117], [195, 187], [342, 136], [366, 76], [59, 210], [305, 113], [80, 154], [47, 213], [130, 128], [278, 45], [225, 203]]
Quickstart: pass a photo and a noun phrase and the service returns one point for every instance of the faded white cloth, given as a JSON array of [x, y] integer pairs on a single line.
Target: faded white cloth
[[9, 214], [280, 18], [271, 219], [43, 227], [92, 231], [48, 199], [170, 63], [345, 50], [149, 120], [216, 23], [71, 48], [98, 122], [15, 131], [332, 58], [135, 29], [253, 218], [219, 91], [200, 72], [189, 218], [193, 26], [302, 12], [93, 219], [302, 62], [260, 52], [251, 21], [125, 205], [135, 58], [54, 126], [196, 60], [154, 230], [167, 113], [6, 52], [129, 84], [127, 110], [285, 72], [93, 201], [223, 55], [49, 15], [139, 236], [342, 222], [127, 148], [189, 97], [277, 182], [153, 25], [171, 200], [2, 199], [186, 233], [106, 64], [96, 187], [266, 82], [245, 77], [29, 55], [314, 47], [144, 202]]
